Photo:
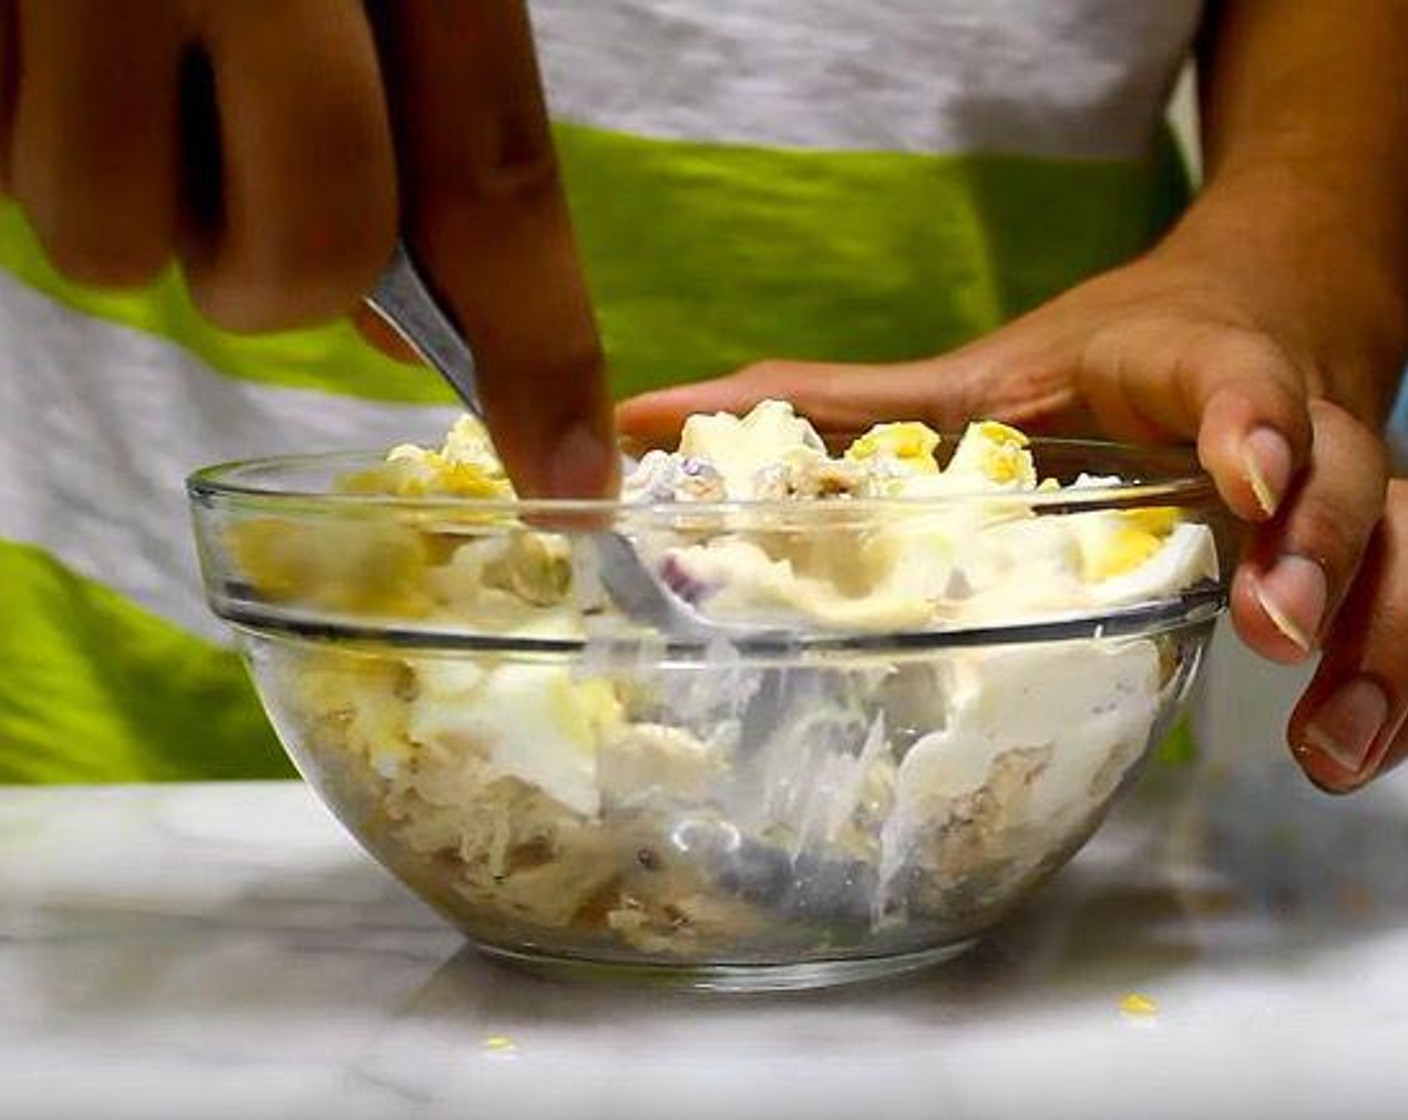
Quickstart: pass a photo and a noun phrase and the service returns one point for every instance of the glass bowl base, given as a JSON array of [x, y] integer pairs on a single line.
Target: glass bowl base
[[740, 978]]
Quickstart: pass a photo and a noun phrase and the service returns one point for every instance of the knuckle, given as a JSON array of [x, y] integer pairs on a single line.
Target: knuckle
[[522, 175], [520, 167], [1253, 365], [1326, 535], [1243, 350]]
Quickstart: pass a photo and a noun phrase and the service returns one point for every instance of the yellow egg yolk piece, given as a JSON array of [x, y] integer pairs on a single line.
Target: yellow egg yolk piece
[[911, 444], [1138, 535]]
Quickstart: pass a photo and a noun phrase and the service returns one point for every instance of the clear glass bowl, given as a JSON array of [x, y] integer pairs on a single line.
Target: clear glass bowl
[[839, 798]]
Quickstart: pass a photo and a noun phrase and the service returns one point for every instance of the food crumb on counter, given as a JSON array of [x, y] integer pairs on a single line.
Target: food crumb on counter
[[1137, 1005]]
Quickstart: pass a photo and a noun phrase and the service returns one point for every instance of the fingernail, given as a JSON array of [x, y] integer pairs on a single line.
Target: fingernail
[[1293, 594], [582, 465], [1347, 725], [1267, 462]]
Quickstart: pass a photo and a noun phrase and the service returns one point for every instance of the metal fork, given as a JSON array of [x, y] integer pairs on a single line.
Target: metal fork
[[405, 302]]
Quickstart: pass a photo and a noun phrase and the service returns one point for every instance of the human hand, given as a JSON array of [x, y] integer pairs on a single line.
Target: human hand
[[1284, 399], [258, 144]]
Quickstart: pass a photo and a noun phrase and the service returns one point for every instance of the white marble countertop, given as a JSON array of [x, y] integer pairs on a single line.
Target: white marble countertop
[[203, 951]]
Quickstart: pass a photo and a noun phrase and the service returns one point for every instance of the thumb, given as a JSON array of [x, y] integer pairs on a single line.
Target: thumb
[[1239, 394]]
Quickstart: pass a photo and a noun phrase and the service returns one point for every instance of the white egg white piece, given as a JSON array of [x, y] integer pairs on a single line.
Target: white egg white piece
[[1078, 702], [742, 448]]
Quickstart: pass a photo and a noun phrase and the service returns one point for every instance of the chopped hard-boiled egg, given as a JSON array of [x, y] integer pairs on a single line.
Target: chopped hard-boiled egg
[[967, 560], [740, 448], [1118, 541], [467, 466], [909, 445], [998, 453], [534, 722]]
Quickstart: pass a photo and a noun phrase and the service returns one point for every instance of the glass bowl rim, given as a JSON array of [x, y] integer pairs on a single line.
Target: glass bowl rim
[[1181, 482], [1195, 607]]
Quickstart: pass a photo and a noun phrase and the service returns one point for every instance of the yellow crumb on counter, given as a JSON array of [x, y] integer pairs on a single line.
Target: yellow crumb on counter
[[1138, 1005]]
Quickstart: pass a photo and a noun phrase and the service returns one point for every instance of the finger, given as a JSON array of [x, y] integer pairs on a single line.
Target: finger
[[834, 397], [93, 157], [1349, 727], [9, 80], [658, 416], [488, 219], [1301, 565], [1232, 389], [307, 216], [945, 393]]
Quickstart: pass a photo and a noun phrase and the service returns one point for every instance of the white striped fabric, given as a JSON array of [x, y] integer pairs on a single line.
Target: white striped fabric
[[100, 424], [1056, 78]]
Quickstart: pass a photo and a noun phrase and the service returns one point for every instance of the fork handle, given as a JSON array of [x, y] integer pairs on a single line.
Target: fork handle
[[402, 298]]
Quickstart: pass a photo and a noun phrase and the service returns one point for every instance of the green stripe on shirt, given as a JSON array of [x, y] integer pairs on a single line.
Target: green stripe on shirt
[[703, 257], [97, 690]]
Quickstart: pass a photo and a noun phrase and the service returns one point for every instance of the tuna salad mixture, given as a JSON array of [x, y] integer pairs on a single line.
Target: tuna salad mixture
[[726, 806]]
